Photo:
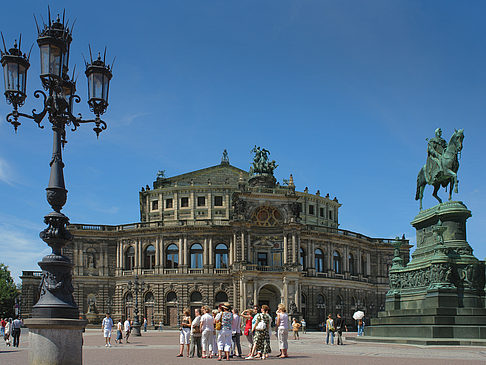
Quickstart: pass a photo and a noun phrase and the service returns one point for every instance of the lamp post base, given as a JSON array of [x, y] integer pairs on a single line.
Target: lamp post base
[[136, 329], [55, 341]]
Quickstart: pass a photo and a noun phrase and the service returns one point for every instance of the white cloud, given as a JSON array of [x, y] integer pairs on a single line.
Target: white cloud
[[20, 245], [5, 172], [129, 118]]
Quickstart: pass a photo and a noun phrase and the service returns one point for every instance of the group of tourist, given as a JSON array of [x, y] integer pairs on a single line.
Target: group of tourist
[[217, 332], [335, 328], [10, 331], [107, 326]]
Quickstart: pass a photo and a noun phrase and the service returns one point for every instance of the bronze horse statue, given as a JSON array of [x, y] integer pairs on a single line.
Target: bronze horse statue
[[447, 175]]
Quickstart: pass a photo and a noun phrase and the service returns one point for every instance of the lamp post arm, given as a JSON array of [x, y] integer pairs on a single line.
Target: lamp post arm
[[100, 125], [13, 117]]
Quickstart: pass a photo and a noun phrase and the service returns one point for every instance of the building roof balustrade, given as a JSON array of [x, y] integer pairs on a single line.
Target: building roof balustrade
[[32, 273]]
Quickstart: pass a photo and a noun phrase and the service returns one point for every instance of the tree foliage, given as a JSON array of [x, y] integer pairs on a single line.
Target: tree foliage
[[8, 292]]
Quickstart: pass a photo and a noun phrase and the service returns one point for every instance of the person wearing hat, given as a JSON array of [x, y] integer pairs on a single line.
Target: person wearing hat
[[224, 338]]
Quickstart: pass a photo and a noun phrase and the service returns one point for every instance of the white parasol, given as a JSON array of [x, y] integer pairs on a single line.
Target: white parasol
[[358, 315]]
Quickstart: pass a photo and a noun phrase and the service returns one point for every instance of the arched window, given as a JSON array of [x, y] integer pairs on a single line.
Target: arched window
[[149, 257], [320, 300], [149, 307], [339, 302], [221, 253], [196, 296], [129, 305], [337, 262], [363, 266], [172, 257], [351, 264], [319, 260], [130, 258], [221, 297], [171, 297], [196, 256], [302, 259], [149, 297], [303, 299]]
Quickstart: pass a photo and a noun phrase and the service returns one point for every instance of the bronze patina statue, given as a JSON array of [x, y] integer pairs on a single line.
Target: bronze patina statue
[[441, 166], [261, 164]]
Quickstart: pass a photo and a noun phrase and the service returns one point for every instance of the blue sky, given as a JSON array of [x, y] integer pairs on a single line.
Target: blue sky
[[343, 94]]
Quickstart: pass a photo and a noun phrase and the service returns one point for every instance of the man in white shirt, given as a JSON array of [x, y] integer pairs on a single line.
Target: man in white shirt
[[128, 328], [236, 333], [106, 327], [207, 328], [196, 334], [16, 325]]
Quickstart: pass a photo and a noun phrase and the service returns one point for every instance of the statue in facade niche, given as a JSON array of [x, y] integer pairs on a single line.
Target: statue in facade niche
[[441, 166]]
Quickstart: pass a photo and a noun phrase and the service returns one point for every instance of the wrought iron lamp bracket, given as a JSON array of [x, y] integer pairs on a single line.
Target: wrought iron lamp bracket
[[13, 117]]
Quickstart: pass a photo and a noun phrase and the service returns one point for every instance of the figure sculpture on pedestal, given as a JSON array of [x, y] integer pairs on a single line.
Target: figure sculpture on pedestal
[[441, 166]]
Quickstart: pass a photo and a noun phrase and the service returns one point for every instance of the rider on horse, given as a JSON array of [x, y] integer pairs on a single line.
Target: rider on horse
[[435, 148]]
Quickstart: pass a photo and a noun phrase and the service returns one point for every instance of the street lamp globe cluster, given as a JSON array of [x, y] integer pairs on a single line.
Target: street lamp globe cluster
[[54, 40]]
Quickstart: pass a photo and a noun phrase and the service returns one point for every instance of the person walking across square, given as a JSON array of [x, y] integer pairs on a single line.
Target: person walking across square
[[282, 324], [119, 332], [295, 328], [16, 326], [106, 327], [128, 328]]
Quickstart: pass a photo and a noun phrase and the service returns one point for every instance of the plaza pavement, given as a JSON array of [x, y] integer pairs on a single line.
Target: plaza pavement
[[161, 348]]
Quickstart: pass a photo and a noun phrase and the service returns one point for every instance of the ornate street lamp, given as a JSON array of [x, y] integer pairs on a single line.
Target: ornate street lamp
[[56, 303], [137, 287]]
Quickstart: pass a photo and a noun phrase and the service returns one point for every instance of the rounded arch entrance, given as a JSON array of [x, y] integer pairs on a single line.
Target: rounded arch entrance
[[270, 295]]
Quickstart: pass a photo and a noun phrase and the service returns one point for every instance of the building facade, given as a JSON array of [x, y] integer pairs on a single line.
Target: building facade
[[223, 234]]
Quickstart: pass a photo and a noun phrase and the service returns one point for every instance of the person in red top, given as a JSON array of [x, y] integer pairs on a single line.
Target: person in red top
[[248, 315], [2, 329]]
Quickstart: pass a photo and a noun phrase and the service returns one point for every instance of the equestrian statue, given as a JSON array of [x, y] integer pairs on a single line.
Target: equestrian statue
[[441, 166]]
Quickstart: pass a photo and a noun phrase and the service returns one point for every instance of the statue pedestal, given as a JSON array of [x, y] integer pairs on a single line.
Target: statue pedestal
[[92, 318], [55, 341], [438, 297]]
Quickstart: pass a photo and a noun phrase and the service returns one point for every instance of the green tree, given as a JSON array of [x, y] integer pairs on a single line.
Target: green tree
[[8, 292]]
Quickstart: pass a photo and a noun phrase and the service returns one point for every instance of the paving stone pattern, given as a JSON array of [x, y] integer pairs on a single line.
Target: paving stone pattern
[[162, 347]]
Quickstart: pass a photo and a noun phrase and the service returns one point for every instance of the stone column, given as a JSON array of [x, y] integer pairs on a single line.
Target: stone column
[[231, 251], [248, 245], [286, 249], [121, 255], [243, 246], [181, 254], [345, 260], [157, 252], [359, 271], [205, 252], [147, 207], [211, 252], [185, 252], [106, 253], [285, 292], [161, 252], [329, 259], [294, 248], [243, 294], [117, 255]]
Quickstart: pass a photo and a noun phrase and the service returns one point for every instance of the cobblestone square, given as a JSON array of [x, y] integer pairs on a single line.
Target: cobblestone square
[[155, 348]]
